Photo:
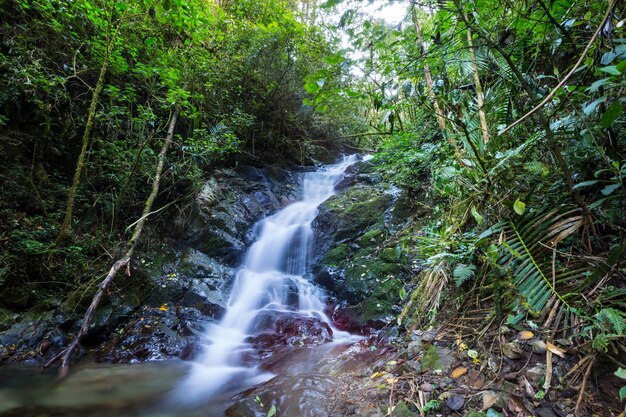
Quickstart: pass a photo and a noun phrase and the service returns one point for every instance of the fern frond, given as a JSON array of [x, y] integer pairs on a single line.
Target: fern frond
[[463, 273]]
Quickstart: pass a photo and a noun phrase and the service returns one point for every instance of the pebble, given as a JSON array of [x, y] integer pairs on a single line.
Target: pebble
[[539, 346]]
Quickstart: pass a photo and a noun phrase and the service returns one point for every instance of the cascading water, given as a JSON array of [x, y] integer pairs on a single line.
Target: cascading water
[[271, 279]]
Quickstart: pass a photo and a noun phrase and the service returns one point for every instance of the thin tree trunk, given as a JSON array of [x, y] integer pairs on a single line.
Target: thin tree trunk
[[67, 220], [64, 356], [480, 97], [429, 79]]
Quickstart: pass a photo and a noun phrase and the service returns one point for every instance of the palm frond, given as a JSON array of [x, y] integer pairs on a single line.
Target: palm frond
[[527, 245]]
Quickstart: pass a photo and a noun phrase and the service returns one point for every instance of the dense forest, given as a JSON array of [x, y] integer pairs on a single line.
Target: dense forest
[[500, 123]]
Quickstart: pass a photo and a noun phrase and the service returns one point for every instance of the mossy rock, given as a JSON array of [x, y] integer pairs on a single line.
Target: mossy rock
[[372, 238], [391, 255], [336, 256]]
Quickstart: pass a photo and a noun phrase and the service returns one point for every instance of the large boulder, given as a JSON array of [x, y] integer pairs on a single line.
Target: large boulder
[[357, 256], [229, 203], [189, 290]]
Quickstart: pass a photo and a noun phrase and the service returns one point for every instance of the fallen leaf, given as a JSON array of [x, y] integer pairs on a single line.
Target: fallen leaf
[[164, 307], [461, 345], [525, 335], [476, 379], [460, 371], [489, 399], [556, 350], [377, 374], [455, 403]]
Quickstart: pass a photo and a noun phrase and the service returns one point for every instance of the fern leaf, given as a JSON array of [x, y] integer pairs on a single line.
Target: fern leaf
[[463, 273]]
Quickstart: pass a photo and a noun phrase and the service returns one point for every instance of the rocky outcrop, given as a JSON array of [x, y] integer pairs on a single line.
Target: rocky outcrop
[[358, 257], [229, 203], [173, 290]]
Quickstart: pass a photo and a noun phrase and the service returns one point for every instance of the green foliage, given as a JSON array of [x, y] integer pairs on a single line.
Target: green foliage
[[236, 71], [430, 358], [621, 373], [549, 192], [463, 273], [431, 405]]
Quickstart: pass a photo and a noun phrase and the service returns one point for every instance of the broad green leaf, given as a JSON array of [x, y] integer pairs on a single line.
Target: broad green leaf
[[272, 411], [611, 113], [620, 373], [608, 190], [402, 293], [612, 69], [595, 86], [519, 206], [608, 58], [477, 216], [589, 108], [585, 184], [622, 393]]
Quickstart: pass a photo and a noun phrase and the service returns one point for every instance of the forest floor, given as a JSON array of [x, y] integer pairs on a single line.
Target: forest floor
[[505, 373]]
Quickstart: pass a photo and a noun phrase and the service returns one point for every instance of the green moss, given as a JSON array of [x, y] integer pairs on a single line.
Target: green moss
[[392, 255], [430, 360], [372, 238], [337, 256]]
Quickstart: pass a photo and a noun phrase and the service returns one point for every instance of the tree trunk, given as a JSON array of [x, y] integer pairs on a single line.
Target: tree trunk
[[441, 121], [124, 260], [479, 89], [67, 220]]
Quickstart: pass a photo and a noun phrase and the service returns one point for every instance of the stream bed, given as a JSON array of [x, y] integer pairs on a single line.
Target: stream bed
[[275, 333]]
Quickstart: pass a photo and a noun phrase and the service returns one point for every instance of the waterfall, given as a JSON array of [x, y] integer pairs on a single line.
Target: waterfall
[[271, 278]]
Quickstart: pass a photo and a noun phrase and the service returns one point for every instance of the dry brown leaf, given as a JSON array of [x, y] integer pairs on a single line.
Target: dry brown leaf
[[555, 349]]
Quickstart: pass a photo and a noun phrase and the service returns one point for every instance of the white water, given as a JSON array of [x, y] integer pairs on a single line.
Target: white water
[[269, 279]]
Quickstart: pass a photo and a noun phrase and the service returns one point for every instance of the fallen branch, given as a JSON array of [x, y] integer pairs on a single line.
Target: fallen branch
[[567, 77], [64, 355]]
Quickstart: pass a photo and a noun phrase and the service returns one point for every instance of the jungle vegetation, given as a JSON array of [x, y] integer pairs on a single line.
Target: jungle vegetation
[[504, 119]]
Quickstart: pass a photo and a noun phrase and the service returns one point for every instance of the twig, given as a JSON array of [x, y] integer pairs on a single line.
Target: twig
[[583, 387], [569, 74]]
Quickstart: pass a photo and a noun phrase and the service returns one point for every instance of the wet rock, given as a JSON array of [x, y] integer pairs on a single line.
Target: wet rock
[[155, 334], [296, 396], [277, 330], [188, 278], [535, 374], [455, 403], [228, 205], [346, 215], [33, 338], [545, 412], [512, 350], [539, 346]]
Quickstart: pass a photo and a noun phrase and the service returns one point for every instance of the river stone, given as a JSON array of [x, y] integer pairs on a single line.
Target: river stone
[[295, 396], [155, 334], [277, 330]]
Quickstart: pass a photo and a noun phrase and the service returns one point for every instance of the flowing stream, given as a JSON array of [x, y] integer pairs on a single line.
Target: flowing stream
[[270, 282], [271, 279]]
